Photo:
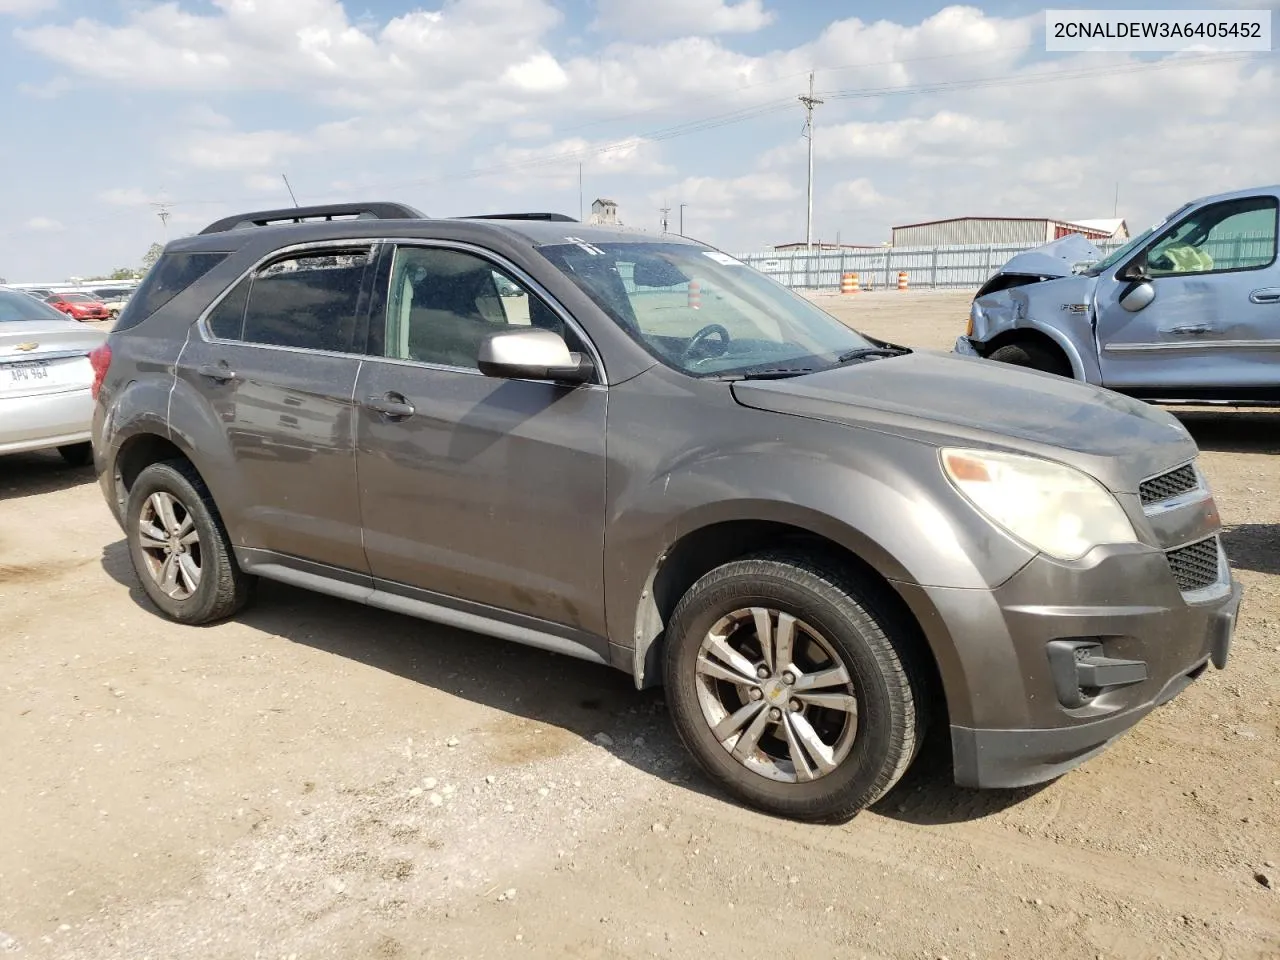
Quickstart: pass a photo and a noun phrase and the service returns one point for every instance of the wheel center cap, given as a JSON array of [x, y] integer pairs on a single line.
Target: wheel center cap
[[776, 691]]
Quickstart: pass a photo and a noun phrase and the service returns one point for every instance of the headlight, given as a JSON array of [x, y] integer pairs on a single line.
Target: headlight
[[1055, 508]]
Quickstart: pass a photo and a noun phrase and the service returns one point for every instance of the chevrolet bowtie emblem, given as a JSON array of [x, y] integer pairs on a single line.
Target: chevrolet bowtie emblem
[[27, 346]]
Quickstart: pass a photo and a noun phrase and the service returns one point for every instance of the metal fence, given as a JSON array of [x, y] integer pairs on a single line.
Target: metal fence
[[967, 265]]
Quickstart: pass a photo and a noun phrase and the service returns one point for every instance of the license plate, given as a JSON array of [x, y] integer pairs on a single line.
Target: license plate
[[31, 372], [43, 375]]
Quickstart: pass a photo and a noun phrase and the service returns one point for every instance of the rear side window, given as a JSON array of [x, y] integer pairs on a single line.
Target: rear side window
[[307, 301], [226, 320], [172, 274], [18, 306]]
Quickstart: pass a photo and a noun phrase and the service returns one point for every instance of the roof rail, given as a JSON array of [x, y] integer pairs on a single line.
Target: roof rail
[[358, 211], [557, 217]]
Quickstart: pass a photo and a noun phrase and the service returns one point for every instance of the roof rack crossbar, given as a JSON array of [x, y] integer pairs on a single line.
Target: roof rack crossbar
[[557, 217], [365, 211]]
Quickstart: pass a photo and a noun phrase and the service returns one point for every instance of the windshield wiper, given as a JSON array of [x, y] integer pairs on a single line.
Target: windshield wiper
[[771, 373], [867, 353]]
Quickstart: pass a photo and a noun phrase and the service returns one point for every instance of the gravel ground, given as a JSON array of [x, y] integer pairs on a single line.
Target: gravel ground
[[319, 780]]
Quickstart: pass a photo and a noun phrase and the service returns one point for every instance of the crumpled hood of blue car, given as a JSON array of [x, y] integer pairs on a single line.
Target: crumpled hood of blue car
[[1053, 259]]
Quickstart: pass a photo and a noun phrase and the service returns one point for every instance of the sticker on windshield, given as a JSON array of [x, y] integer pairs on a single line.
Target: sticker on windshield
[[723, 258]]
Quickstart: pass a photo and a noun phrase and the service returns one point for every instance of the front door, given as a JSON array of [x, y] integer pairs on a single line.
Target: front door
[[1214, 322], [275, 364], [481, 490]]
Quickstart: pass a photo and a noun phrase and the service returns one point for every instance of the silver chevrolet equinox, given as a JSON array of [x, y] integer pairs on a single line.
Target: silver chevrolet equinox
[[633, 449]]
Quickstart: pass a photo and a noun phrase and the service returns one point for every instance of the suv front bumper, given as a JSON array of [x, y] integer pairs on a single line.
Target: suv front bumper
[[1020, 710], [965, 348]]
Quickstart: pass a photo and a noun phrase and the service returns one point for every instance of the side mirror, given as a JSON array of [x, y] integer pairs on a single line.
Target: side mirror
[[1137, 295], [526, 353]]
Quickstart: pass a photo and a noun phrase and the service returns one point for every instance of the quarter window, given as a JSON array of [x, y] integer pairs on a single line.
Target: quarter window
[[1234, 235], [443, 303], [308, 300]]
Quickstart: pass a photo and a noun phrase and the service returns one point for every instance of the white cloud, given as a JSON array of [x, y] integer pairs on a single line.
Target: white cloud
[[49, 90], [238, 151], [25, 7], [45, 224], [654, 19]]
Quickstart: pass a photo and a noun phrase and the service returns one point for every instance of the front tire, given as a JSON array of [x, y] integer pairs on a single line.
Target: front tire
[[794, 685], [1036, 356], [180, 548]]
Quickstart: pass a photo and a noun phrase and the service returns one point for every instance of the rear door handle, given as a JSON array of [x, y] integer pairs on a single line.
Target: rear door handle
[[393, 406], [1265, 295], [1191, 330], [217, 371]]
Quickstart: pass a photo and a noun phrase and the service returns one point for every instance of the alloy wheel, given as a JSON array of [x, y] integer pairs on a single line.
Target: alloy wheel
[[170, 545], [777, 695]]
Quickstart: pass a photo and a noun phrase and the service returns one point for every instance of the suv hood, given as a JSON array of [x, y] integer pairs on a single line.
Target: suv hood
[[1054, 259], [943, 399]]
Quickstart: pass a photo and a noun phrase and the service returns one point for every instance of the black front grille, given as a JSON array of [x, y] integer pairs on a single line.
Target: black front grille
[[1168, 485], [1196, 566]]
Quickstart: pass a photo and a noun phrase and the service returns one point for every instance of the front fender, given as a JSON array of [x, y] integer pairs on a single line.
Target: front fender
[[1060, 309], [894, 511]]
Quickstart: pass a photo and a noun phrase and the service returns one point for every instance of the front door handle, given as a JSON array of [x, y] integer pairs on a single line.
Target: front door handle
[[393, 406], [217, 371], [1265, 295], [1191, 330]]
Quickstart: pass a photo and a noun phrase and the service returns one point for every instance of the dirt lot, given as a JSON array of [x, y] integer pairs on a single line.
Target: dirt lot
[[319, 780]]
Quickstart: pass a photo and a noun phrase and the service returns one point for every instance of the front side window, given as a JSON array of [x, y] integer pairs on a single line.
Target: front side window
[[443, 303], [703, 312], [308, 301], [1234, 235]]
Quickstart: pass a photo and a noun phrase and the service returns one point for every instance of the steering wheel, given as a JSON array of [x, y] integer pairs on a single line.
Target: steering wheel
[[698, 338]]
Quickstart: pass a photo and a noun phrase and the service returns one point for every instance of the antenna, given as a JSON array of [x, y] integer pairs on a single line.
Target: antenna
[[290, 189]]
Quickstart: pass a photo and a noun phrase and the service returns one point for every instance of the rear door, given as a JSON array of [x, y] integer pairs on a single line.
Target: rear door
[[475, 489], [1214, 324], [275, 362]]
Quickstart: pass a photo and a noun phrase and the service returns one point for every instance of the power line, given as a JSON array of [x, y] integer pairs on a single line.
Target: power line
[[764, 108]]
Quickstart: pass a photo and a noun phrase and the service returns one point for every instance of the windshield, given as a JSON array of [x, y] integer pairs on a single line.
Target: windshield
[[16, 306], [703, 312], [1121, 253]]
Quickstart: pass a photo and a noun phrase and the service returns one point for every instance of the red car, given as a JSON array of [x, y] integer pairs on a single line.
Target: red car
[[79, 306]]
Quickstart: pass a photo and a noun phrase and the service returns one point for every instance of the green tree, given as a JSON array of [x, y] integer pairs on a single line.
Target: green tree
[[151, 256]]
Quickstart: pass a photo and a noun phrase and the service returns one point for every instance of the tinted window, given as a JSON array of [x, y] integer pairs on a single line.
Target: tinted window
[[226, 320], [443, 303], [172, 274], [308, 300], [1236, 235], [19, 306]]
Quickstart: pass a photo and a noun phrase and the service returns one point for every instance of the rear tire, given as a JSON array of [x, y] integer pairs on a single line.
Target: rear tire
[[180, 548], [800, 761], [77, 454], [1033, 355]]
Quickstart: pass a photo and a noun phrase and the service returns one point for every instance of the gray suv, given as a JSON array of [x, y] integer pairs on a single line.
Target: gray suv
[[525, 426]]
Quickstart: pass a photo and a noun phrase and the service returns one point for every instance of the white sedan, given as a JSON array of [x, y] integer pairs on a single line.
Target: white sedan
[[45, 379]]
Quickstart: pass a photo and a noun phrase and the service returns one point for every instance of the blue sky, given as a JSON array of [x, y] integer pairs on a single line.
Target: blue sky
[[113, 107]]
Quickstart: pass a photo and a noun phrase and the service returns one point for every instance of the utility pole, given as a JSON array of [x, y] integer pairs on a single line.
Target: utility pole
[[289, 188], [1115, 211], [580, 190], [162, 211], [809, 103], [664, 211], [682, 206]]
